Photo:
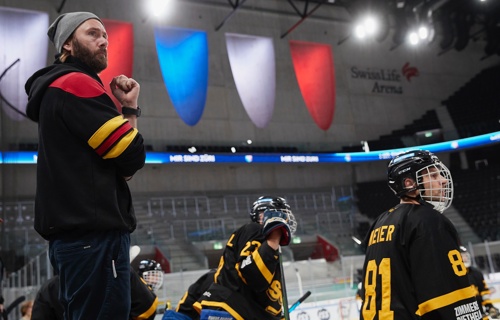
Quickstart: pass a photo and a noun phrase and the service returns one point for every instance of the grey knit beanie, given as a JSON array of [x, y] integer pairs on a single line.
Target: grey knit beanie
[[60, 30]]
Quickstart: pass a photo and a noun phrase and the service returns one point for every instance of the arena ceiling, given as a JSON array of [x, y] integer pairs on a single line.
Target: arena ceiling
[[457, 22]]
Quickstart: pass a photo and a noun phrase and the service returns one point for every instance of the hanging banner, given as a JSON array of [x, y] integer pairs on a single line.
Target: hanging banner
[[183, 57], [314, 69], [23, 50], [120, 53], [253, 66]]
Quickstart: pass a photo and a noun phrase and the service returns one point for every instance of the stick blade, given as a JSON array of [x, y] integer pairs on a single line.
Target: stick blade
[[134, 252]]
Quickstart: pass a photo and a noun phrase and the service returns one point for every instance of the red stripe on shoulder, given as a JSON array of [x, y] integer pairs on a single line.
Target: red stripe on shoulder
[[79, 84]]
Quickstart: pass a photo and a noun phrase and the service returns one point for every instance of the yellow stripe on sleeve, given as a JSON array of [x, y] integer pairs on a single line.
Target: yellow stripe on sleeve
[[105, 130], [237, 267], [183, 299], [148, 313], [219, 268], [262, 267], [121, 145], [444, 300]]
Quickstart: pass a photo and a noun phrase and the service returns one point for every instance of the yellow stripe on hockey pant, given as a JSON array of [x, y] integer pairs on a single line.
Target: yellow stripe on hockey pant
[[444, 300], [223, 306]]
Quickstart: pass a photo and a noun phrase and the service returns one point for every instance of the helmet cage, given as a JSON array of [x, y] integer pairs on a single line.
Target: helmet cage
[[153, 278], [440, 197], [290, 220], [417, 164], [152, 273]]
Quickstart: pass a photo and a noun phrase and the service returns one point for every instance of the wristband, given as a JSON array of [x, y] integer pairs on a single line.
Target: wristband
[[133, 111]]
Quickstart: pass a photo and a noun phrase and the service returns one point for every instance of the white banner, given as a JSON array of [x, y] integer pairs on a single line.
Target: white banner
[[23, 36], [253, 66]]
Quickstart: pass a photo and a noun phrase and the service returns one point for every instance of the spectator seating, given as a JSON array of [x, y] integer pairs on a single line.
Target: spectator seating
[[474, 108]]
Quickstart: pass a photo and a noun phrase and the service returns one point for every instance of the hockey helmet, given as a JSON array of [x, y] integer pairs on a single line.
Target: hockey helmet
[[264, 203], [152, 273], [466, 258], [417, 164]]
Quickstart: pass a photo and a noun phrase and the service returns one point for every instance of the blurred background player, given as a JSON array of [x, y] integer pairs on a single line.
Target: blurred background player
[[247, 283], [481, 289], [358, 298], [152, 273], [413, 268]]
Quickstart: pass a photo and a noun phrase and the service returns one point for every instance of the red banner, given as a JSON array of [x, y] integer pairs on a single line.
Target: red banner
[[120, 53], [314, 69]]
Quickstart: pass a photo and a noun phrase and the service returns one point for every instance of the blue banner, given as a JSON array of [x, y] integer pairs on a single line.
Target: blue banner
[[26, 157], [183, 57]]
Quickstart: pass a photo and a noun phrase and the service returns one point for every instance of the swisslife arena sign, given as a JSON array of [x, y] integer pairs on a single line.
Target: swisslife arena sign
[[384, 81]]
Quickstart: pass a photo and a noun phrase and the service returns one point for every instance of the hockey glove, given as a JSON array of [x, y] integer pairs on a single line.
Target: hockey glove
[[274, 220], [493, 312]]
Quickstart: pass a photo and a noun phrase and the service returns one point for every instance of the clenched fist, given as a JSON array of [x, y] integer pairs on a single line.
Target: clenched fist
[[126, 90]]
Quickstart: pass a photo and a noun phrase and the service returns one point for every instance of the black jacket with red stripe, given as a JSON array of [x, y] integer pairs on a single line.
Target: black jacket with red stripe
[[85, 151]]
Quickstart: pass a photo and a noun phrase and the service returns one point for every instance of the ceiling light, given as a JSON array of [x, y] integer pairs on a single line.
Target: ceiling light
[[160, 8], [371, 25], [359, 31], [423, 32], [413, 38]]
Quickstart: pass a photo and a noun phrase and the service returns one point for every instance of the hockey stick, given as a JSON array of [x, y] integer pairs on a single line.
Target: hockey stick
[[134, 252], [11, 307], [286, 312], [10, 105], [298, 302]]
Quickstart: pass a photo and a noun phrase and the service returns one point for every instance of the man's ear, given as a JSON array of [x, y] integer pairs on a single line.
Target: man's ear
[[68, 46], [409, 183]]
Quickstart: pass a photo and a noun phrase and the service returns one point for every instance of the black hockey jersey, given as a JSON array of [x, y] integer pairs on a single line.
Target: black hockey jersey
[[194, 292], [248, 279], [413, 268]]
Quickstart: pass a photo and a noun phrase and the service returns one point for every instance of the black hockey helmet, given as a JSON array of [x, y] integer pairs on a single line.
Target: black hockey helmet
[[267, 203], [148, 265], [151, 272], [264, 203], [413, 164], [466, 258]]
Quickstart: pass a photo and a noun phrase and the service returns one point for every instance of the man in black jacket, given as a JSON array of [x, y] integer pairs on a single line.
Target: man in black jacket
[[87, 152]]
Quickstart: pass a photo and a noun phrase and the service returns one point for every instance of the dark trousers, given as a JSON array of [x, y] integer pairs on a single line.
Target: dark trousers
[[94, 271]]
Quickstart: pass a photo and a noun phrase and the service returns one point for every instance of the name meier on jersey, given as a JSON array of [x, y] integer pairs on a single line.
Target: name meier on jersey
[[381, 234]]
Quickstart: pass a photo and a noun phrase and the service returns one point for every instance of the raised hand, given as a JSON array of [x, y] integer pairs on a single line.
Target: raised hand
[[126, 90], [276, 222]]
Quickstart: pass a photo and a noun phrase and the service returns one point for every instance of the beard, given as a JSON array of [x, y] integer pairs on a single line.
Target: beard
[[97, 61]]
